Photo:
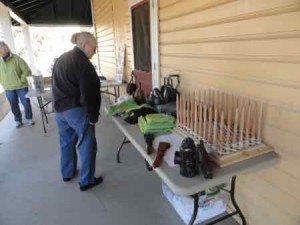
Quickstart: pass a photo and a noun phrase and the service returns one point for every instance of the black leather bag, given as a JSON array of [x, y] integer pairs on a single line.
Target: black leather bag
[[155, 97], [131, 86], [168, 90]]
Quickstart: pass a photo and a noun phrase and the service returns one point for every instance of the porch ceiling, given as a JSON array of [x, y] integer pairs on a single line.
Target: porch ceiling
[[52, 12]]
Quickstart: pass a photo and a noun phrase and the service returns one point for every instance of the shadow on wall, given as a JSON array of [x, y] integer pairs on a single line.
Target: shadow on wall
[[4, 106]]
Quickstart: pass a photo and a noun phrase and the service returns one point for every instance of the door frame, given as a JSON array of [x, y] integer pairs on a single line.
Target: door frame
[[154, 30]]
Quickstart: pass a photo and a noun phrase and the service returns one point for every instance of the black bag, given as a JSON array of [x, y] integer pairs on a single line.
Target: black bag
[[131, 86], [168, 90], [155, 97]]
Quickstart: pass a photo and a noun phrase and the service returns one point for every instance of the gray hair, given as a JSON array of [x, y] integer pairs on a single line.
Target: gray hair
[[79, 39], [4, 47]]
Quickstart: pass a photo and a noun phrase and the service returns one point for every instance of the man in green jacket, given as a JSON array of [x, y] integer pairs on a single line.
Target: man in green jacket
[[13, 73]]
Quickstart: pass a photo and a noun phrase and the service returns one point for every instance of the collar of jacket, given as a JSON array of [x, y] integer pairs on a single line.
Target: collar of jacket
[[76, 48], [7, 57]]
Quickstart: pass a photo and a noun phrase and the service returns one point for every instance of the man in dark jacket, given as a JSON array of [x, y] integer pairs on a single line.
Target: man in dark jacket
[[76, 92]]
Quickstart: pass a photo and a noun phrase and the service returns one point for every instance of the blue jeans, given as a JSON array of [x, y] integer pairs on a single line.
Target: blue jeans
[[13, 98], [75, 131]]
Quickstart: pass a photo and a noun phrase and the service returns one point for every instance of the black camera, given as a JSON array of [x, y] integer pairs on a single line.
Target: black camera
[[193, 158], [188, 158], [206, 164]]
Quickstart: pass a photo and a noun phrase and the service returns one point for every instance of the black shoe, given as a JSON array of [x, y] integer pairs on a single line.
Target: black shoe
[[67, 179], [97, 181]]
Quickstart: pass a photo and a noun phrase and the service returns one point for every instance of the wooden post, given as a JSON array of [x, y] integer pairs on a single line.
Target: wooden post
[[215, 128], [184, 111], [177, 110], [242, 126], [210, 125], [236, 121], [259, 123], [228, 130], [222, 132], [195, 118], [247, 132], [254, 122], [205, 123], [200, 121], [181, 111]]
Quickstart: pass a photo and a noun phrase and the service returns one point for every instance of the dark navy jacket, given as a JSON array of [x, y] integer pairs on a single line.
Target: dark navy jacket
[[75, 83]]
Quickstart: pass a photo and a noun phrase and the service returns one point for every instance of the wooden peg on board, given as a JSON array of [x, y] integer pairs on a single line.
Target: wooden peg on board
[[200, 121], [180, 111], [254, 122], [205, 123], [177, 110], [184, 111], [215, 127], [241, 128], [228, 127], [247, 131], [221, 136], [235, 126], [210, 118], [259, 122]]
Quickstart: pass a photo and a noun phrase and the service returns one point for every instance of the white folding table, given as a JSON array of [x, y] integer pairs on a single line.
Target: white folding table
[[47, 94], [105, 84], [193, 186]]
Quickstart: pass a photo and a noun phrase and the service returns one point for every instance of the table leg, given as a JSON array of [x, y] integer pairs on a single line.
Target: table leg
[[237, 209], [232, 196], [42, 113], [116, 97], [196, 206], [149, 168], [118, 89], [125, 141]]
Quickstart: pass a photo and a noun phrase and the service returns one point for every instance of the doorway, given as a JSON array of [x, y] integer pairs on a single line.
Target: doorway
[[144, 30]]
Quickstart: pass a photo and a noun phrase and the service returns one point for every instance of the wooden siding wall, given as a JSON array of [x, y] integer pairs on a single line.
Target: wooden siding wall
[[251, 47], [112, 29]]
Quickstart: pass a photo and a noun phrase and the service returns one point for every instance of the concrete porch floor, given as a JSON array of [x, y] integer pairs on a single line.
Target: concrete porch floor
[[32, 192]]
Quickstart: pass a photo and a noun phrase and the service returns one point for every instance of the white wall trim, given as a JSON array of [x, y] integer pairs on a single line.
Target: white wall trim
[[154, 27]]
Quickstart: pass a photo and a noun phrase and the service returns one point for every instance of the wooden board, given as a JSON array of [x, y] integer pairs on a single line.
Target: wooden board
[[241, 155]]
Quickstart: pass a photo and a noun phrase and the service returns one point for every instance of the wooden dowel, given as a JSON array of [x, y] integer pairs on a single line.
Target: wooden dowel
[[200, 121], [254, 121], [181, 111], [259, 123], [242, 126], [184, 111], [228, 131], [205, 123], [196, 117], [210, 126], [236, 121], [215, 122], [247, 132], [222, 131], [177, 110]]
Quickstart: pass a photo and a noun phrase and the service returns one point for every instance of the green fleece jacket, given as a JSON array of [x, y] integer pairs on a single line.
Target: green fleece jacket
[[13, 73]]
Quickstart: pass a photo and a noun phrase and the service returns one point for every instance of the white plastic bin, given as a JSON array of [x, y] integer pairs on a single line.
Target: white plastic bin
[[209, 206]]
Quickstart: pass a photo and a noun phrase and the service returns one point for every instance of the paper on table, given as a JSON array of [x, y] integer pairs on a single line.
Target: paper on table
[[175, 142]]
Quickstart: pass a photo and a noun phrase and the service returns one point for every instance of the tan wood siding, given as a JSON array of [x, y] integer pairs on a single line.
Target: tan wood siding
[[250, 47], [112, 29]]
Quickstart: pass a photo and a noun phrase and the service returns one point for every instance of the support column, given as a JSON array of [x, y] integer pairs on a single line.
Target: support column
[[6, 27], [28, 47]]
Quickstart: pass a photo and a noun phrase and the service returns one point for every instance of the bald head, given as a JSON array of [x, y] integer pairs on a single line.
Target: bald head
[[85, 41], [4, 49]]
